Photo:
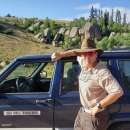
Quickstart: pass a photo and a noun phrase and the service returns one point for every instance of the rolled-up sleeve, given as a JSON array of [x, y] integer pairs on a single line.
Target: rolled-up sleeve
[[109, 83]]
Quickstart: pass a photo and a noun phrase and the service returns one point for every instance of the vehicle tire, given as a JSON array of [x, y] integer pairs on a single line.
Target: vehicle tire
[[120, 126]]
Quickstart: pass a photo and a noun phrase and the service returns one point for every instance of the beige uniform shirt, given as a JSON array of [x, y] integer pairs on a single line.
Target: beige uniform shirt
[[95, 84]]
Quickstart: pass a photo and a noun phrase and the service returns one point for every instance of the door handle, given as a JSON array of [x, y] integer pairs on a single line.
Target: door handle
[[49, 101]]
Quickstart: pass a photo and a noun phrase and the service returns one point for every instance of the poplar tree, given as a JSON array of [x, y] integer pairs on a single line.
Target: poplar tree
[[112, 15], [106, 19], [124, 19], [116, 16], [119, 17], [111, 22], [96, 16]]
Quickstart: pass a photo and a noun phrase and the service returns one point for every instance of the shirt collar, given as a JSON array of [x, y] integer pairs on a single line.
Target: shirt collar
[[97, 67]]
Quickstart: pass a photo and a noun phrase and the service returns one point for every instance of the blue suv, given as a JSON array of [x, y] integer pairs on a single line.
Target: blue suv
[[36, 93]]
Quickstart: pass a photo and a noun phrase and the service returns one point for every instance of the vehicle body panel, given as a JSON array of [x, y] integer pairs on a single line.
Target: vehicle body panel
[[62, 111]]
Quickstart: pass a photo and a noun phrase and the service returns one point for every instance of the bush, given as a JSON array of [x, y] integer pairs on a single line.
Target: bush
[[15, 20], [35, 29], [8, 31]]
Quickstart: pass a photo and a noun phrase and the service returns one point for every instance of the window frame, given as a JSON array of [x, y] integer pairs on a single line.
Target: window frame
[[122, 82], [39, 69], [71, 60]]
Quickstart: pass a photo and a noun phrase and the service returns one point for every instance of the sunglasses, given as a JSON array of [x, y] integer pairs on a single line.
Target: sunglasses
[[90, 54]]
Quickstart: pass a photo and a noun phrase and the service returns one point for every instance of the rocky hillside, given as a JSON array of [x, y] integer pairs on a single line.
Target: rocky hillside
[[15, 42], [20, 42]]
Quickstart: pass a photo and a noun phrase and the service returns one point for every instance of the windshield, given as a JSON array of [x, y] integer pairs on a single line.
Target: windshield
[[25, 70]]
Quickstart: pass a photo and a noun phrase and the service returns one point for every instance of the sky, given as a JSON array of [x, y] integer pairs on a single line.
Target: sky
[[61, 9]]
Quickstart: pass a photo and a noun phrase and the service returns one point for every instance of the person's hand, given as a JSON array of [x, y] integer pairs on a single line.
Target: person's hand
[[55, 56], [94, 111]]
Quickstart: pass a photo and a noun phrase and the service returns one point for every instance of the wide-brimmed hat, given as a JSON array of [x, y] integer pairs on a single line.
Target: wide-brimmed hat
[[88, 45]]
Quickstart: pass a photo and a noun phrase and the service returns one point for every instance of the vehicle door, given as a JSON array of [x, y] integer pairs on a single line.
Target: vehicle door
[[26, 98], [67, 101], [111, 64], [124, 75]]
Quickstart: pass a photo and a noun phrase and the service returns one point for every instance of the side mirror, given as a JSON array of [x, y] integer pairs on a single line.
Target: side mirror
[[43, 74]]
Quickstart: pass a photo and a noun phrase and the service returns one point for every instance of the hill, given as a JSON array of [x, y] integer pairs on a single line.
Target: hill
[[20, 42]]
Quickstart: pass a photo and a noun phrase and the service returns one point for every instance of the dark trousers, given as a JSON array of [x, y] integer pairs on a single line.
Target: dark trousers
[[86, 122]]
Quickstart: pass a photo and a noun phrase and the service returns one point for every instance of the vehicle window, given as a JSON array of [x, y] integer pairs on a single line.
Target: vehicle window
[[28, 77], [24, 69], [124, 68], [49, 69], [70, 74]]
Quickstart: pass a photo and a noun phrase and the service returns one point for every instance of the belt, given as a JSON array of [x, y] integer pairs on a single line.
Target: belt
[[89, 110]]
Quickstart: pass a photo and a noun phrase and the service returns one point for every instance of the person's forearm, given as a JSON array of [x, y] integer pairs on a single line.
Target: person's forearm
[[110, 99], [67, 53]]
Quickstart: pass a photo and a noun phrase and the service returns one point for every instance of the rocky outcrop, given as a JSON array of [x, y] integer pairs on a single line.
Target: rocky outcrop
[[67, 32], [74, 32], [47, 35], [112, 34], [61, 31], [38, 35], [90, 30], [81, 32], [38, 24]]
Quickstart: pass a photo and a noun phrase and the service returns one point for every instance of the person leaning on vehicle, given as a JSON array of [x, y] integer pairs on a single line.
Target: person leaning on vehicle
[[97, 87]]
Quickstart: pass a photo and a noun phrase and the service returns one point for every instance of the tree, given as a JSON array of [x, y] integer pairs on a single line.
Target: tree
[[112, 42], [52, 28], [100, 21], [77, 22], [66, 42], [111, 22], [82, 21], [99, 15], [124, 19], [112, 15], [103, 43], [8, 15], [92, 14], [29, 22], [52, 24], [46, 23], [119, 17], [106, 19], [77, 41], [125, 28], [96, 15], [118, 38], [116, 27]]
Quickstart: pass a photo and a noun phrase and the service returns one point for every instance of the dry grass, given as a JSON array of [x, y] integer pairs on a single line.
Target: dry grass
[[21, 43]]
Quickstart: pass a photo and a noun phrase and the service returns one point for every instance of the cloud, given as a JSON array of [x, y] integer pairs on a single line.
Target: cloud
[[98, 7], [85, 15]]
